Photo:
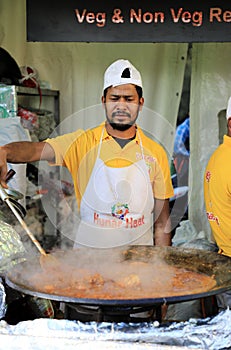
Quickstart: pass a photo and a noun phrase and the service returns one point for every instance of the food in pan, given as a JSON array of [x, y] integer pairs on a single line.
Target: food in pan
[[129, 280]]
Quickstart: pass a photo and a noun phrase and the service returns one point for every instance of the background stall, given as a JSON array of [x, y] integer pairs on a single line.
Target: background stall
[[76, 70]]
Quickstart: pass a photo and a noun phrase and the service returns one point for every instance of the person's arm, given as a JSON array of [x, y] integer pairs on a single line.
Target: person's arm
[[181, 139], [162, 223], [23, 152]]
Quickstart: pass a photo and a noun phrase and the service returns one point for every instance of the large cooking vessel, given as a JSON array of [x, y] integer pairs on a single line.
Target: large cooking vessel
[[151, 263]]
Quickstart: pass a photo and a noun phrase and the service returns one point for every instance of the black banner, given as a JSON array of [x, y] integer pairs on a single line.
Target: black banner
[[128, 21]]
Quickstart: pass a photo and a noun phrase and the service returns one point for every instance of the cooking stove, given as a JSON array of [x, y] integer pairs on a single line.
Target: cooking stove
[[88, 313]]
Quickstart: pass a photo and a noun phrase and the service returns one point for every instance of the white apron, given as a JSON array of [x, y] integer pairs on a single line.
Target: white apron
[[117, 206]]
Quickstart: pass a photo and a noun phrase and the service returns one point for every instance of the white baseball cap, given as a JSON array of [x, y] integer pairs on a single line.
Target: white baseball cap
[[121, 72], [228, 110]]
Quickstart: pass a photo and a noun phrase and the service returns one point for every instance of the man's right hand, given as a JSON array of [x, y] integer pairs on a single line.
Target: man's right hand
[[23, 152]]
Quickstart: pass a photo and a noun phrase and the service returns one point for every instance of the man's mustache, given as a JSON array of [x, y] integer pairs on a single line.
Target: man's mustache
[[121, 113]]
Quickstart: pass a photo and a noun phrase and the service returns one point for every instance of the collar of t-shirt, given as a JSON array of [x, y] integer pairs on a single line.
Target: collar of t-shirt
[[123, 142]]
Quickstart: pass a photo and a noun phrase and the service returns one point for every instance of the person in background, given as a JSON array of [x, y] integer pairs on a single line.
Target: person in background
[[180, 173], [217, 197], [181, 151]]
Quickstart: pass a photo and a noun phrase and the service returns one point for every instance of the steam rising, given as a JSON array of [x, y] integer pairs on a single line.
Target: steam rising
[[133, 273]]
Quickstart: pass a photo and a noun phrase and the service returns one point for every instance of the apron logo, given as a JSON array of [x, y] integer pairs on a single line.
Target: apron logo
[[121, 217], [120, 210]]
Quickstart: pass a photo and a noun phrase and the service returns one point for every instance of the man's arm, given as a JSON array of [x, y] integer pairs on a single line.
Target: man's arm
[[23, 152], [162, 223]]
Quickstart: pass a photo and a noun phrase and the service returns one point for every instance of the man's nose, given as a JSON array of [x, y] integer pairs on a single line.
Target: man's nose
[[121, 103]]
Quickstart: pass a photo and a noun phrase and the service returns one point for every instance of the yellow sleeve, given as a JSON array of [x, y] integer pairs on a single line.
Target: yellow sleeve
[[61, 145]]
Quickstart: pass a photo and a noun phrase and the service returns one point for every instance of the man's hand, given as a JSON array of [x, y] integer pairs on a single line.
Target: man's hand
[[162, 223], [23, 152]]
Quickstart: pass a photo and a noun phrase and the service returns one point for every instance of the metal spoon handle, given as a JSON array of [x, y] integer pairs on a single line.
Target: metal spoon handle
[[22, 222]]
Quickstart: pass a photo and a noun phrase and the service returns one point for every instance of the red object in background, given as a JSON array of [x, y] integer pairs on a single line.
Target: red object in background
[[29, 119], [30, 79]]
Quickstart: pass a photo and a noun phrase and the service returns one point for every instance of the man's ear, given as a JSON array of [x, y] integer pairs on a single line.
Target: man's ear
[[103, 100], [141, 103], [229, 126]]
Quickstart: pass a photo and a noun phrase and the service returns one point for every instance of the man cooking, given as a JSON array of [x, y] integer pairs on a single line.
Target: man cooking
[[121, 177]]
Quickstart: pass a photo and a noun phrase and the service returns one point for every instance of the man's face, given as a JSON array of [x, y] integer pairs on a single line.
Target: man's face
[[122, 105]]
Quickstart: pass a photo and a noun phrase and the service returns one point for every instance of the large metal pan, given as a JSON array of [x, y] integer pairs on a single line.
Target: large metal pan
[[208, 263]]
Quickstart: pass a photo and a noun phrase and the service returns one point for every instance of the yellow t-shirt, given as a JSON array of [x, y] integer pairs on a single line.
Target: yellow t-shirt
[[78, 152], [217, 195]]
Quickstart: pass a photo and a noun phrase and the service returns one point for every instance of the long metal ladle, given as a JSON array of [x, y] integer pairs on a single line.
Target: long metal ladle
[[48, 262]]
